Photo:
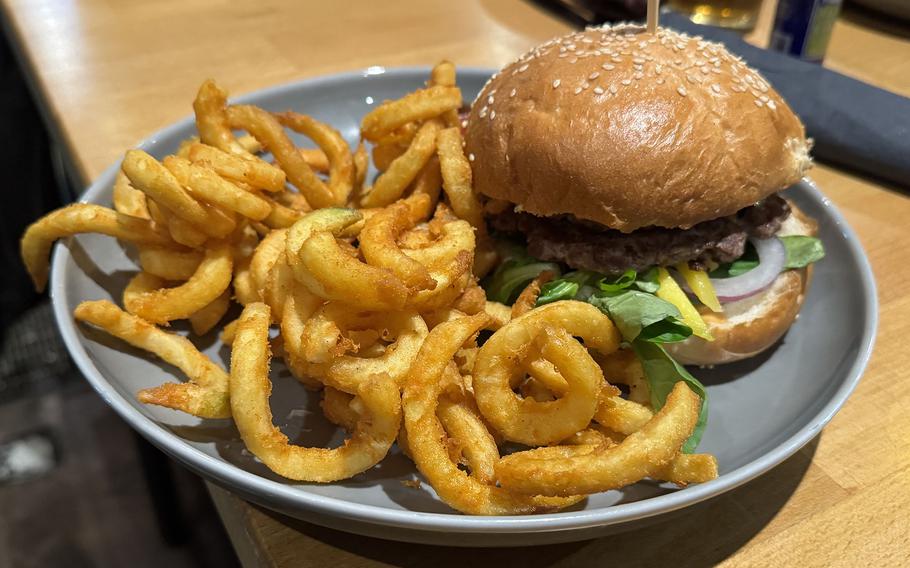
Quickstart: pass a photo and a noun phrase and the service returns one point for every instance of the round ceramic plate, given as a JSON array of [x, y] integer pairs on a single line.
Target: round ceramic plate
[[762, 410]]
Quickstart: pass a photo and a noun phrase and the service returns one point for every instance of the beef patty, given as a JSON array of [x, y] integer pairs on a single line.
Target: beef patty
[[584, 245]]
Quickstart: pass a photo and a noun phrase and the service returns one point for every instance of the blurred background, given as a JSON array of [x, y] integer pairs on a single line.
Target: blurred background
[[77, 487]]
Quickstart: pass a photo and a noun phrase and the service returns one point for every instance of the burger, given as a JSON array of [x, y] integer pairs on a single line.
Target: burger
[[649, 162]]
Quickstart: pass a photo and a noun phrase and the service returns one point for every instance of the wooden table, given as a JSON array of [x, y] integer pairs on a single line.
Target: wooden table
[[111, 72]]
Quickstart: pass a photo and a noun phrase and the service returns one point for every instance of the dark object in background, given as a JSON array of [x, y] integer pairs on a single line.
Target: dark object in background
[[589, 12], [855, 125], [802, 28], [896, 8], [30, 189]]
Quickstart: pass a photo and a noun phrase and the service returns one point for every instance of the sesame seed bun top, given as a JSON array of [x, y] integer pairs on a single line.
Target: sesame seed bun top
[[629, 129]]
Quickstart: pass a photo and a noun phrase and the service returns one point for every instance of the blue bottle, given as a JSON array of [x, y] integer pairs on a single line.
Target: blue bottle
[[802, 28]]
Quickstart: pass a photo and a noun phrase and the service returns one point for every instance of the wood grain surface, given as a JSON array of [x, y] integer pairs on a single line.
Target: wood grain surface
[[110, 72]]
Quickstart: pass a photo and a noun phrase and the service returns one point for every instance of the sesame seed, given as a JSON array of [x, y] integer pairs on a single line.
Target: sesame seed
[[681, 90], [523, 68], [490, 100], [763, 98], [593, 75], [556, 83], [464, 123], [471, 156], [715, 88], [598, 90], [492, 114], [678, 62], [577, 90], [613, 89], [608, 67], [626, 81], [512, 94], [573, 60], [660, 81], [638, 60], [758, 103], [585, 85], [638, 75], [615, 59], [483, 112], [771, 105]]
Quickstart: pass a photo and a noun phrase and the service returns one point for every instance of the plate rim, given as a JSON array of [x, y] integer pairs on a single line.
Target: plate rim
[[267, 491]]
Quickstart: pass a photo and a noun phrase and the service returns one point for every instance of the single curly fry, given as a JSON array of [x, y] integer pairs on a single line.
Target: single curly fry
[[642, 454], [206, 393], [36, 243], [403, 169], [211, 120], [422, 104], [342, 170], [266, 128], [498, 370], [373, 435], [457, 177], [211, 279]]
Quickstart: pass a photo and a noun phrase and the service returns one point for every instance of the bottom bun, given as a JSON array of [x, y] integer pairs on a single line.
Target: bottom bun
[[747, 327]]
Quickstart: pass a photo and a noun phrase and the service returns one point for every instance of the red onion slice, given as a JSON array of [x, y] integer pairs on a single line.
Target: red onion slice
[[771, 260]]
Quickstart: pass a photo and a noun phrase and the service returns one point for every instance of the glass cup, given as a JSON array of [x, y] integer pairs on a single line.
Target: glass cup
[[733, 14]]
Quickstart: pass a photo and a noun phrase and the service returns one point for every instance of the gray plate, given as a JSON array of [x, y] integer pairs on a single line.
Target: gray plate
[[762, 410]]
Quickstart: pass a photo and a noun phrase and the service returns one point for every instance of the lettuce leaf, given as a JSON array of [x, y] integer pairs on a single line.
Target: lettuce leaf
[[662, 373], [642, 316], [557, 290], [619, 284], [577, 285], [802, 251]]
